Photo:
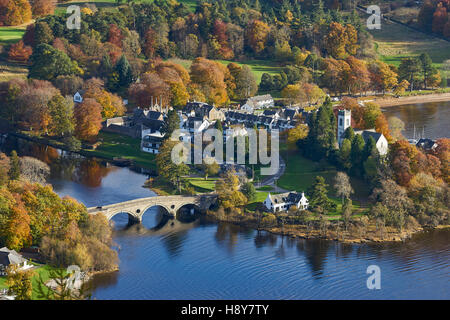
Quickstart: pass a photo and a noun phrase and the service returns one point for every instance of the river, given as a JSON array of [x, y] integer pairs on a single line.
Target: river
[[431, 120], [204, 260]]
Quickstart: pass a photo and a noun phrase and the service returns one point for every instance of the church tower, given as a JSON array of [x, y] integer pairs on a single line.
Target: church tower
[[344, 121]]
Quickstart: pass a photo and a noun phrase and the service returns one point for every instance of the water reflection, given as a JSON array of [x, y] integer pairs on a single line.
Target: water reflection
[[430, 119], [192, 258]]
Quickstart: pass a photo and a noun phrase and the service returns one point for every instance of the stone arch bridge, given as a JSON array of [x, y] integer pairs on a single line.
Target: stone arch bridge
[[137, 207]]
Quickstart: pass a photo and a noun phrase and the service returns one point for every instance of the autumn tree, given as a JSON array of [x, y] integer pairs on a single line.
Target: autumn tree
[[14, 12], [19, 282], [210, 77], [257, 34], [88, 119], [227, 188], [19, 52], [43, 7]]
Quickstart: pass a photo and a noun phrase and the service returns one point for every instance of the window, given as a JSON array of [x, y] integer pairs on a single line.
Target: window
[[340, 122]]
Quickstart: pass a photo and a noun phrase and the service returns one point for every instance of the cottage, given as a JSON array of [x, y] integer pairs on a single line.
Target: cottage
[[258, 102], [203, 110], [427, 144], [11, 257], [77, 97], [283, 201]]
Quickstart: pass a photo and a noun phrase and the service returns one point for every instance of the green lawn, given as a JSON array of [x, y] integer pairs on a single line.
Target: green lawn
[[300, 172], [202, 185], [9, 35], [260, 197], [116, 145]]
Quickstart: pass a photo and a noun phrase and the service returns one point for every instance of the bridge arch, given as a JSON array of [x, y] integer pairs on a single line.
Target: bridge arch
[[154, 205], [132, 218]]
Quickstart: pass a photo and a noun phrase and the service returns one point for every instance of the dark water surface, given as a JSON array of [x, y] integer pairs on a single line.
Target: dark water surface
[[432, 120], [169, 259]]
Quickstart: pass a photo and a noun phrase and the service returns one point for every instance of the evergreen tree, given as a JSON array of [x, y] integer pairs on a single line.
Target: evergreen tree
[[426, 65], [356, 154], [123, 69], [318, 198], [14, 170], [173, 123], [218, 125]]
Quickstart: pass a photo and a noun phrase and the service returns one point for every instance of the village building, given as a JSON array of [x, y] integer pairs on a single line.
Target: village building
[[426, 144], [258, 102], [78, 96], [11, 257], [380, 140], [203, 110], [283, 201]]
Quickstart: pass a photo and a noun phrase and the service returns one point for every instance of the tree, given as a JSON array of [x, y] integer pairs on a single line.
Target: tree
[[227, 188], [342, 185], [249, 191], [172, 172], [371, 112], [440, 18], [88, 119], [246, 85], [48, 63], [318, 198], [347, 208], [42, 7], [15, 12], [295, 134], [14, 162], [210, 167], [173, 123], [19, 52], [34, 170], [409, 70], [356, 155], [61, 114], [428, 71], [257, 34], [19, 282], [123, 69]]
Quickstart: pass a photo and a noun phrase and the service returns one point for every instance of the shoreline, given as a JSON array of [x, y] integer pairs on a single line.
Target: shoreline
[[301, 232], [426, 98]]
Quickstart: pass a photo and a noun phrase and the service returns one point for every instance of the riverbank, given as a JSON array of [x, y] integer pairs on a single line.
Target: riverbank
[[112, 149], [357, 232], [423, 98]]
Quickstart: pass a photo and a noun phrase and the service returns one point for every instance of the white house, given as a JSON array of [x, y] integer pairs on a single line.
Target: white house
[[258, 102], [11, 257], [380, 140], [283, 201], [77, 97]]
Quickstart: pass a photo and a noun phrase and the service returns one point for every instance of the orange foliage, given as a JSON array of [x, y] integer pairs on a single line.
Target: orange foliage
[[19, 52]]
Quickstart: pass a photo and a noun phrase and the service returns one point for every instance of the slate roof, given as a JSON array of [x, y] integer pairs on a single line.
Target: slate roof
[[366, 134], [287, 197], [8, 257], [425, 143]]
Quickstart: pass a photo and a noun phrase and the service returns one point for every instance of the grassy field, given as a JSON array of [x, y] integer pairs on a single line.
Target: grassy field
[[116, 145], [202, 185], [395, 42], [300, 172], [9, 71], [10, 35]]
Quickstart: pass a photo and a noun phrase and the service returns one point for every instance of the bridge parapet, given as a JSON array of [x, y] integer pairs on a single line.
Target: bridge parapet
[[137, 207]]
